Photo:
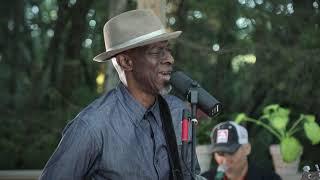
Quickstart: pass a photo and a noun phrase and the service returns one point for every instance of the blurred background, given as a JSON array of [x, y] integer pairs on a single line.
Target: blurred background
[[246, 53]]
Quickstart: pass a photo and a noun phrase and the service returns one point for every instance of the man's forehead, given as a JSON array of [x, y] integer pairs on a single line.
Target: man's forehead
[[157, 44], [149, 46]]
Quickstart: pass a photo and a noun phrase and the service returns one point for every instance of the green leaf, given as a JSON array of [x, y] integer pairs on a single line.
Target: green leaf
[[240, 117], [312, 130], [290, 149], [279, 118], [265, 116], [309, 118], [270, 108]]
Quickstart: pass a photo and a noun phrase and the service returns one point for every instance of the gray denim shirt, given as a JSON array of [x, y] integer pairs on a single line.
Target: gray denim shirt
[[115, 137]]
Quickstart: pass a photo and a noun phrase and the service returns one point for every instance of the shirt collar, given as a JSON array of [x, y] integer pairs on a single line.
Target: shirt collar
[[155, 110], [133, 107]]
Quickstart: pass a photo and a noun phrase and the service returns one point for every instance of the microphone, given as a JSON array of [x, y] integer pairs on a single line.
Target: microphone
[[220, 172], [183, 84]]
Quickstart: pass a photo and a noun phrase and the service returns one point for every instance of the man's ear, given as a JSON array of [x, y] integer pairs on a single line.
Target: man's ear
[[247, 149], [124, 61]]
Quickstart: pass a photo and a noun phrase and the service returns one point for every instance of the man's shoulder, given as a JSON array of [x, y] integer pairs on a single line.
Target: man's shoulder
[[104, 101], [98, 110]]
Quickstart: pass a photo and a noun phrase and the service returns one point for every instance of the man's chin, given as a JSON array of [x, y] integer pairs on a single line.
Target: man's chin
[[166, 89]]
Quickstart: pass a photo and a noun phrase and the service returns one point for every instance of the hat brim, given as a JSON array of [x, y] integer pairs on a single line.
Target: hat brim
[[227, 148], [105, 56]]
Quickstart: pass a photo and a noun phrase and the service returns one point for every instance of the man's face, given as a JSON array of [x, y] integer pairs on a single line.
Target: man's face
[[234, 162], [152, 67]]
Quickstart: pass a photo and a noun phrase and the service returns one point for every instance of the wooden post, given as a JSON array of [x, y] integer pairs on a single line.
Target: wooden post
[[158, 6], [111, 75]]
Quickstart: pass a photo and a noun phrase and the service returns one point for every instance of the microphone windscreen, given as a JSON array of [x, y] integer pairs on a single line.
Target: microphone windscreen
[[183, 84]]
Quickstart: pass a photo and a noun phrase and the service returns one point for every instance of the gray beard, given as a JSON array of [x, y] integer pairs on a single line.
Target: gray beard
[[166, 90]]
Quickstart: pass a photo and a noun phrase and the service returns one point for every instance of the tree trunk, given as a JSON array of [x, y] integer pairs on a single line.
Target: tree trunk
[[55, 48], [111, 76], [46, 77], [158, 6], [74, 68], [15, 52]]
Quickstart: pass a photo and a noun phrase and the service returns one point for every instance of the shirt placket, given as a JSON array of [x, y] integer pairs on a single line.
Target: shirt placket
[[158, 142], [149, 119]]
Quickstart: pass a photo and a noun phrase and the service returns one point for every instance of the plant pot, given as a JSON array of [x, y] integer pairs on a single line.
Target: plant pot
[[285, 170], [204, 156]]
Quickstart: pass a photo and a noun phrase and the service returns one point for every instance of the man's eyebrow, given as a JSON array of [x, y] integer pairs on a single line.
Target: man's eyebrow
[[162, 43]]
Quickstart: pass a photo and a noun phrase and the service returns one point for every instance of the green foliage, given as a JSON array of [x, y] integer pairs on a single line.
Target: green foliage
[[290, 149], [28, 138], [278, 118], [312, 129], [204, 130]]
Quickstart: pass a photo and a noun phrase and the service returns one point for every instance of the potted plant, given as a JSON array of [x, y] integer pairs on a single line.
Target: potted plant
[[276, 120]]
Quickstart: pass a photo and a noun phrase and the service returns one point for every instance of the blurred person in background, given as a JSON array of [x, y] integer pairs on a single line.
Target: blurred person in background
[[230, 148]]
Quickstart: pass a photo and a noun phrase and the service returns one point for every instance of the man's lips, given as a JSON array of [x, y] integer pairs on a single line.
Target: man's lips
[[165, 75]]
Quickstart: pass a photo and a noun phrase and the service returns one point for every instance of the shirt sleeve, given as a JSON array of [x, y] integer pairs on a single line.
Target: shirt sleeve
[[75, 154]]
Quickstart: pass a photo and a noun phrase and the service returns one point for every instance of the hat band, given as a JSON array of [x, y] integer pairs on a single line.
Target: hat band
[[138, 39]]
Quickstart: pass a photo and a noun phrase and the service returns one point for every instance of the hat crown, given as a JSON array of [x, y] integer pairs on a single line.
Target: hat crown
[[130, 25], [236, 133], [130, 30]]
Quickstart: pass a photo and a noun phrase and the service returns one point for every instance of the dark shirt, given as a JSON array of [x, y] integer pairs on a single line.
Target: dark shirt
[[115, 137], [254, 173]]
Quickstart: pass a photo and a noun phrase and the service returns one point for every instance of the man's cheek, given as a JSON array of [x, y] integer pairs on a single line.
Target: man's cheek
[[219, 160]]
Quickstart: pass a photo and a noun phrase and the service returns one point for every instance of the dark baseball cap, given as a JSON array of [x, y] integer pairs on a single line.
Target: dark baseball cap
[[228, 137]]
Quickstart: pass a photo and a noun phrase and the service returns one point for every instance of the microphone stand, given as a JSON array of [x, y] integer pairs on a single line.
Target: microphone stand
[[193, 98]]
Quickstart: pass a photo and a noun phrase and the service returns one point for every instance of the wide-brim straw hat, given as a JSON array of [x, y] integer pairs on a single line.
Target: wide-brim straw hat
[[132, 29]]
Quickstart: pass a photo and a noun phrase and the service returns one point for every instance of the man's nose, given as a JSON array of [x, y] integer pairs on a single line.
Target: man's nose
[[167, 58], [227, 159]]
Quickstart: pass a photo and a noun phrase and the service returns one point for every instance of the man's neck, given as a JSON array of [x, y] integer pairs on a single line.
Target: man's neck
[[146, 99], [240, 175]]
